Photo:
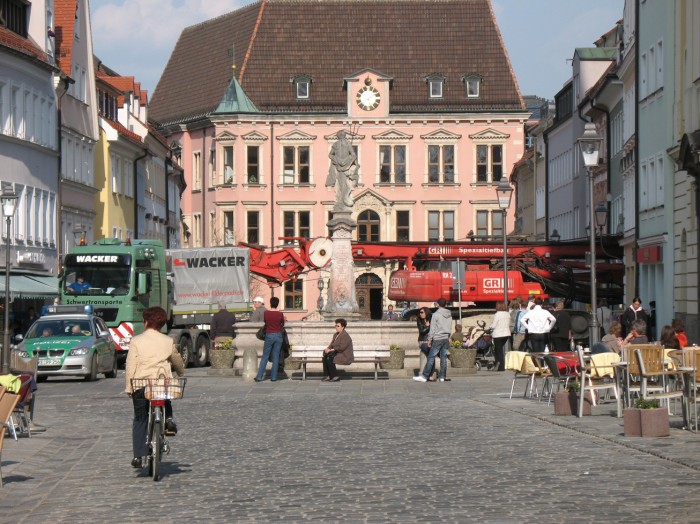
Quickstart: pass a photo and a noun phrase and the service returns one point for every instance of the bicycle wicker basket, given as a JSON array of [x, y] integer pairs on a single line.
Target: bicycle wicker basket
[[161, 388]]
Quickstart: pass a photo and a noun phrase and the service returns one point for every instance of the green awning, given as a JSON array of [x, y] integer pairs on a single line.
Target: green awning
[[30, 286]]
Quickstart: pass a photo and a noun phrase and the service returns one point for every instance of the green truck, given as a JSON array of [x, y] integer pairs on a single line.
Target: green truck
[[122, 278]]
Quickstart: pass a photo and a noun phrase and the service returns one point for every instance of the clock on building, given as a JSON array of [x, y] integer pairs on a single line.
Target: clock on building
[[367, 98]]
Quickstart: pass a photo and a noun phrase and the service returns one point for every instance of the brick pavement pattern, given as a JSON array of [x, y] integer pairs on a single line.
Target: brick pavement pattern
[[354, 451]]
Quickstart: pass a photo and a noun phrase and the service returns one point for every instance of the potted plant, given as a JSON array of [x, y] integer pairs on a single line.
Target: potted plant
[[223, 354], [566, 402], [461, 357], [396, 358], [646, 419]]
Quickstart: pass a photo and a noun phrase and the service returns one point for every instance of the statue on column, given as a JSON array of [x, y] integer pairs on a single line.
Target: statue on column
[[342, 173]]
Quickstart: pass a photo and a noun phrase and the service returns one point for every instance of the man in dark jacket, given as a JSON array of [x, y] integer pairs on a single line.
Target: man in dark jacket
[[222, 324], [560, 335]]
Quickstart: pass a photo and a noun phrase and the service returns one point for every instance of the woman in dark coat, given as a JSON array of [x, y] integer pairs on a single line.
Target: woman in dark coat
[[423, 325], [338, 352], [632, 313]]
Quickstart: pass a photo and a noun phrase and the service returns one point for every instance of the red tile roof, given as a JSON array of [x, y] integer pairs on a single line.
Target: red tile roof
[[64, 28], [129, 135], [329, 40], [12, 40]]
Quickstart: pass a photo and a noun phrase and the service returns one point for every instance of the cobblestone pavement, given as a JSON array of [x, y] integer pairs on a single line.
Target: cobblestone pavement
[[357, 451]]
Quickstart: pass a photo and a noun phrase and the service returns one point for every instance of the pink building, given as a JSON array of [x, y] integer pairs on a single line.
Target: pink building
[[436, 120]]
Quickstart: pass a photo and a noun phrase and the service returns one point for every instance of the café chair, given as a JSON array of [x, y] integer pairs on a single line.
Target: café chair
[[686, 361], [19, 418], [654, 359], [649, 373], [560, 372], [523, 367], [591, 383], [8, 401]]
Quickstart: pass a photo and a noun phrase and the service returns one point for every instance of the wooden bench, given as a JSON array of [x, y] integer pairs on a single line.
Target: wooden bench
[[362, 355]]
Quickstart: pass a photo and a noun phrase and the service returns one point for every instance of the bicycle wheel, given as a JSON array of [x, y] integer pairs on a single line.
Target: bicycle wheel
[[155, 446]]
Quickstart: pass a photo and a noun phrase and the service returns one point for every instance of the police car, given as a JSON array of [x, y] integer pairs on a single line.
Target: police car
[[69, 341]]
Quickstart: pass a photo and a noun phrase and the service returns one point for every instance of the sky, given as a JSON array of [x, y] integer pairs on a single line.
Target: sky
[[136, 37]]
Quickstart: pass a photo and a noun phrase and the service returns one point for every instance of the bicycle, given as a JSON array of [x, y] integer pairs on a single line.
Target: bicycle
[[157, 391]]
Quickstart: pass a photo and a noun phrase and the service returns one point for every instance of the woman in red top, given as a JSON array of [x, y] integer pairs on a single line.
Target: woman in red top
[[274, 323], [679, 327]]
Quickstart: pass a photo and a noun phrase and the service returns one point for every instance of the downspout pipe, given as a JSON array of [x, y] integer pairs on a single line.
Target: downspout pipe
[[272, 190], [136, 192], [545, 137], [636, 152]]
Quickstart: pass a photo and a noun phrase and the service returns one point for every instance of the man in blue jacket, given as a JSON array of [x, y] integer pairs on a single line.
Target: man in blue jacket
[[438, 341]]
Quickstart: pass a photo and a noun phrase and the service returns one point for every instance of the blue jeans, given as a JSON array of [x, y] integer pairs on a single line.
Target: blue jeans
[[273, 344], [439, 346]]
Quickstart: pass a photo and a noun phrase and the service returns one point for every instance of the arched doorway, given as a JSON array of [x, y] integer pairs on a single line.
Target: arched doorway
[[369, 290]]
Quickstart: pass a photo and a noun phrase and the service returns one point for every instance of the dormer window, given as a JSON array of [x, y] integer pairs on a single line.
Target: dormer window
[[472, 83], [302, 86], [435, 83]]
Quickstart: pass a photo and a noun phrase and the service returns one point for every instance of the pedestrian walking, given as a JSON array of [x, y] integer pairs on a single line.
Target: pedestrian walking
[[438, 341], [633, 313], [560, 334], [519, 331], [500, 331]]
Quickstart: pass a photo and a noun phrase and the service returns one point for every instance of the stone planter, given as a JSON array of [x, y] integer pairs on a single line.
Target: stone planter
[[646, 422], [293, 365], [566, 403], [462, 358], [396, 358], [222, 358]]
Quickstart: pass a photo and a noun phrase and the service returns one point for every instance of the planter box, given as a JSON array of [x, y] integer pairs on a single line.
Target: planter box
[[462, 358], [646, 422], [222, 358], [566, 403], [396, 358]]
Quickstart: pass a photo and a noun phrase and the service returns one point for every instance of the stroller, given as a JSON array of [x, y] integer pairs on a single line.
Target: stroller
[[480, 338]]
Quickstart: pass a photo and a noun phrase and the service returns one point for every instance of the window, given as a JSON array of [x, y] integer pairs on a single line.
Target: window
[[482, 224], [497, 224], [212, 168], [368, 226], [294, 294], [403, 226], [253, 164], [196, 171], [296, 165], [472, 85], [296, 224], [441, 164], [15, 14], [489, 163], [441, 225], [227, 152], [197, 229], [302, 89], [392, 164], [253, 227], [229, 236], [436, 88]]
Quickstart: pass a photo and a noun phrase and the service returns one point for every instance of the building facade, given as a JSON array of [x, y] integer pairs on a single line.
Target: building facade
[[435, 124]]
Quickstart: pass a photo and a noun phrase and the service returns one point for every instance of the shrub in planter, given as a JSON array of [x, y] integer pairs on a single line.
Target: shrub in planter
[[566, 402], [396, 358], [646, 419]]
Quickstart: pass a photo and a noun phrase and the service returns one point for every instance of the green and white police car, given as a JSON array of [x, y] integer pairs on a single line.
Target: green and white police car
[[70, 341]]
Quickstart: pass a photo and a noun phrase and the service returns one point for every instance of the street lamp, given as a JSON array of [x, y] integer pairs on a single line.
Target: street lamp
[[505, 193], [601, 217], [589, 143], [8, 200]]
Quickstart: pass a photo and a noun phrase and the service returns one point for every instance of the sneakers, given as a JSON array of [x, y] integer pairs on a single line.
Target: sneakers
[[136, 462], [420, 378], [170, 427], [36, 428], [441, 380]]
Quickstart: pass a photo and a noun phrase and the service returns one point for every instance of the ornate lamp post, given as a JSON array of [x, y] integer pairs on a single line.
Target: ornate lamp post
[[8, 200], [505, 194], [589, 143]]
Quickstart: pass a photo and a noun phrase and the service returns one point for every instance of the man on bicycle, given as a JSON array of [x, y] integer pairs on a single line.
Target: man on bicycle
[[151, 355]]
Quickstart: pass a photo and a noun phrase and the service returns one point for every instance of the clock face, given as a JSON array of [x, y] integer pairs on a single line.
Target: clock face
[[368, 98]]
